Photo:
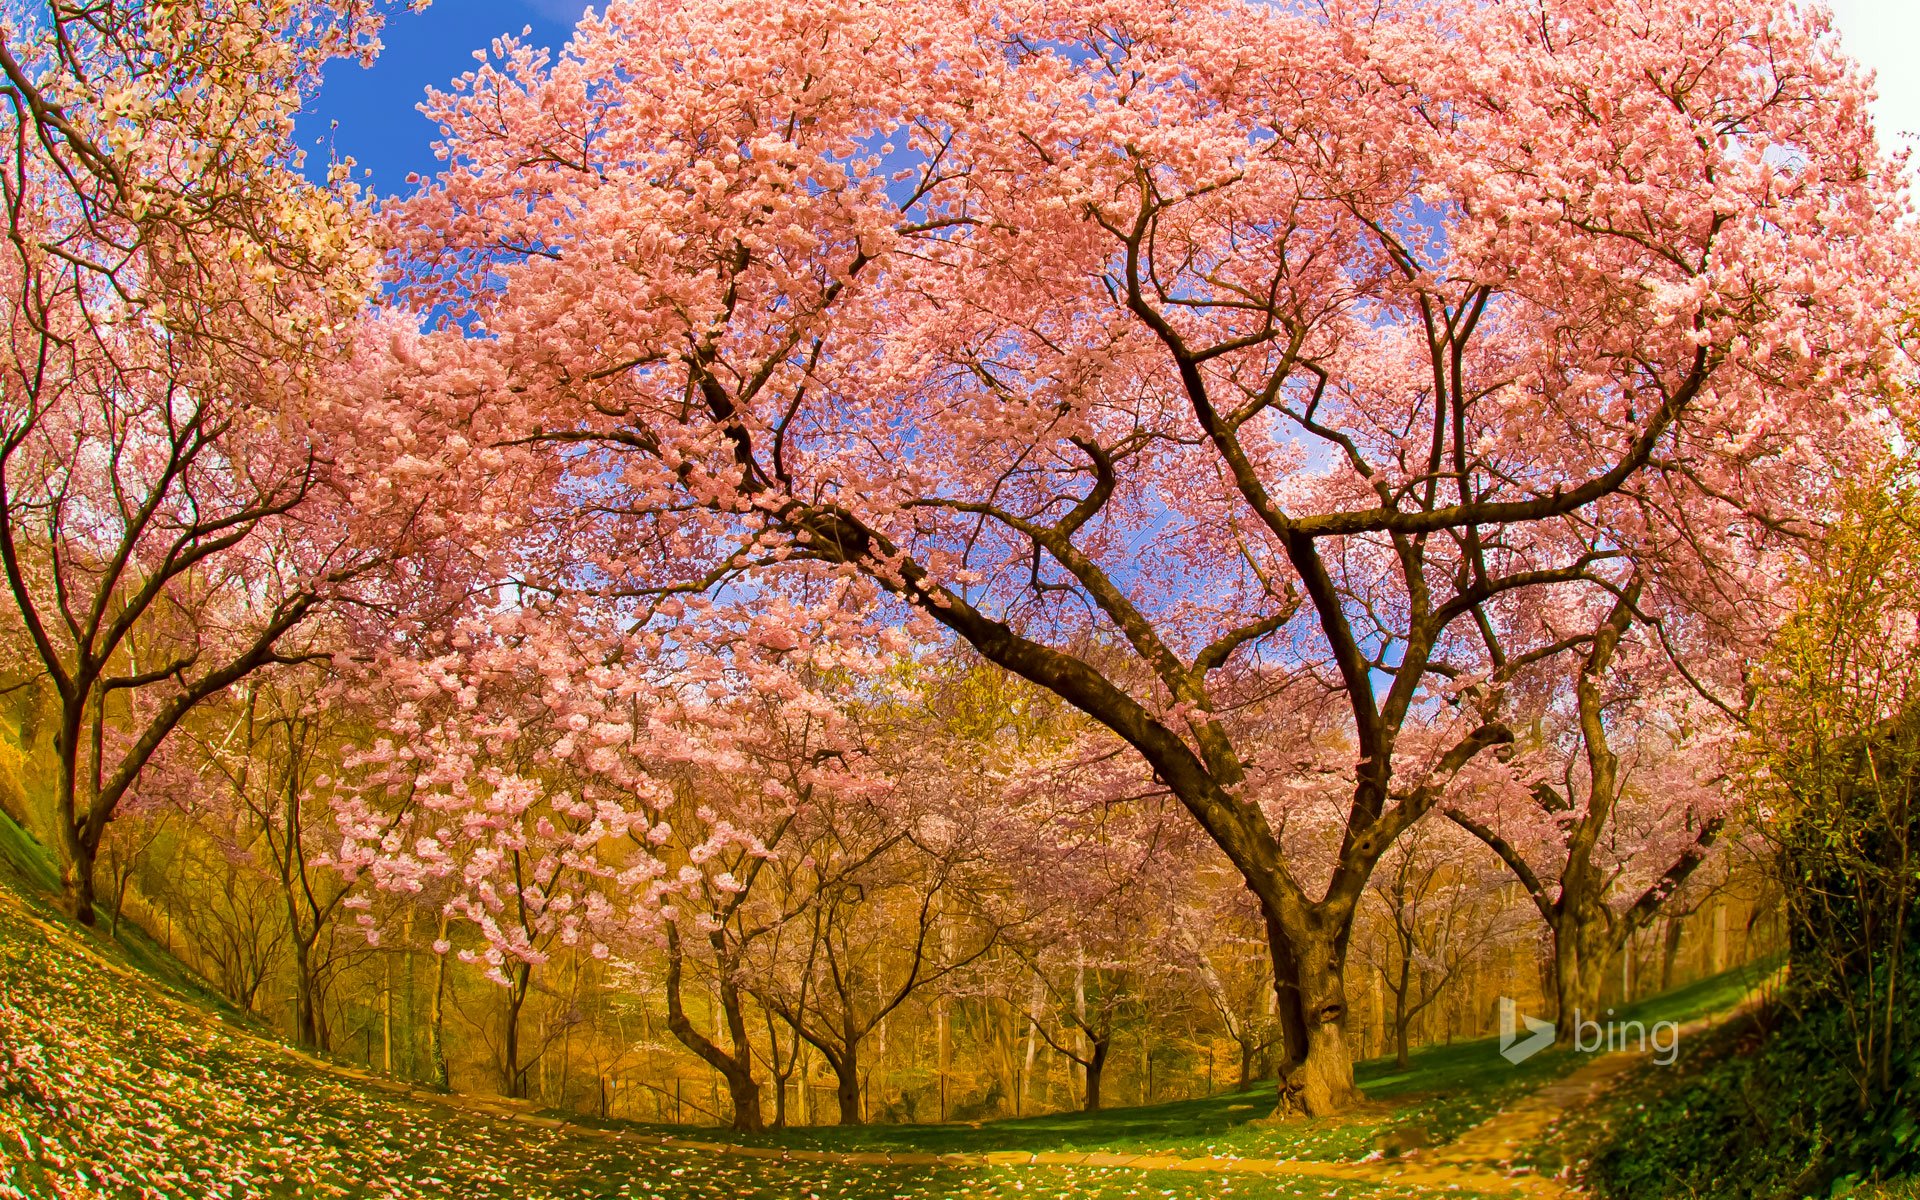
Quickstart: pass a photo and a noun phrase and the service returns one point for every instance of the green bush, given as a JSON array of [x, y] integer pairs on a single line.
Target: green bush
[[1773, 1109]]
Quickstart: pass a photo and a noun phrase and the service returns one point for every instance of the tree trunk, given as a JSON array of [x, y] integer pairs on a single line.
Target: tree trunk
[[1316, 1075], [119, 902], [943, 1048], [846, 1075], [76, 875], [743, 1090], [1246, 1063], [1401, 1017], [436, 1013], [1034, 998], [1096, 1067], [516, 1083], [805, 1073], [76, 872], [386, 1013], [306, 1018], [1669, 951], [1580, 959]]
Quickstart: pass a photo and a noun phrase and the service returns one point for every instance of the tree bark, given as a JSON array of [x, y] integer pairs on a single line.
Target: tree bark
[[119, 903], [76, 873], [846, 1075], [1669, 950], [307, 1031], [516, 1081], [736, 1069], [1034, 997], [1582, 950], [1316, 1072], [1096, 1068]]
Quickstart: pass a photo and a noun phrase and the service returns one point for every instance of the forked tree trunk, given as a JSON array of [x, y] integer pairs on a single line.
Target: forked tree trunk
[[736, 1069], [1316, 1072]]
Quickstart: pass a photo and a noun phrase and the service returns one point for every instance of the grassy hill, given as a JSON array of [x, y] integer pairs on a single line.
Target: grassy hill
[[121, 1075]]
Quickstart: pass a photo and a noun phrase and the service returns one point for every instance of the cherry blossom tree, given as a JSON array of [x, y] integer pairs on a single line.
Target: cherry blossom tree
[[1139, 345], [177, 294], [1619, 802], [266, 767], [1107, 938], [801, 784], [899, 901], [622, 790], [1234, 971], [468, 781], [1437, 910]]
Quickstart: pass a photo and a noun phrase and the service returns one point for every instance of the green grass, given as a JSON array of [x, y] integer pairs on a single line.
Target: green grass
[[1703, 997], [28, 866], [112, 1084], [1444, 1089], [153, 1082]]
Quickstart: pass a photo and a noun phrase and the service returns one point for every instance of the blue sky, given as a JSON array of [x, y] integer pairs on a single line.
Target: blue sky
[[378, 124], [379, 127]]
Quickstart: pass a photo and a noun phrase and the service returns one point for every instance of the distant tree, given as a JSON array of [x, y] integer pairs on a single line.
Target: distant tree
[[1435, 898], [1606, 814]]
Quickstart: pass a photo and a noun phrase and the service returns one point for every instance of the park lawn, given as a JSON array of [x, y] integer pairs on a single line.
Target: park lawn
[[1445, 1090], [115, 1081], [120, 1070]]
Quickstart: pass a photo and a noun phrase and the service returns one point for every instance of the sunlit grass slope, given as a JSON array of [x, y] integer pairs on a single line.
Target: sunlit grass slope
[[121, 1075], [118, 1082]]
